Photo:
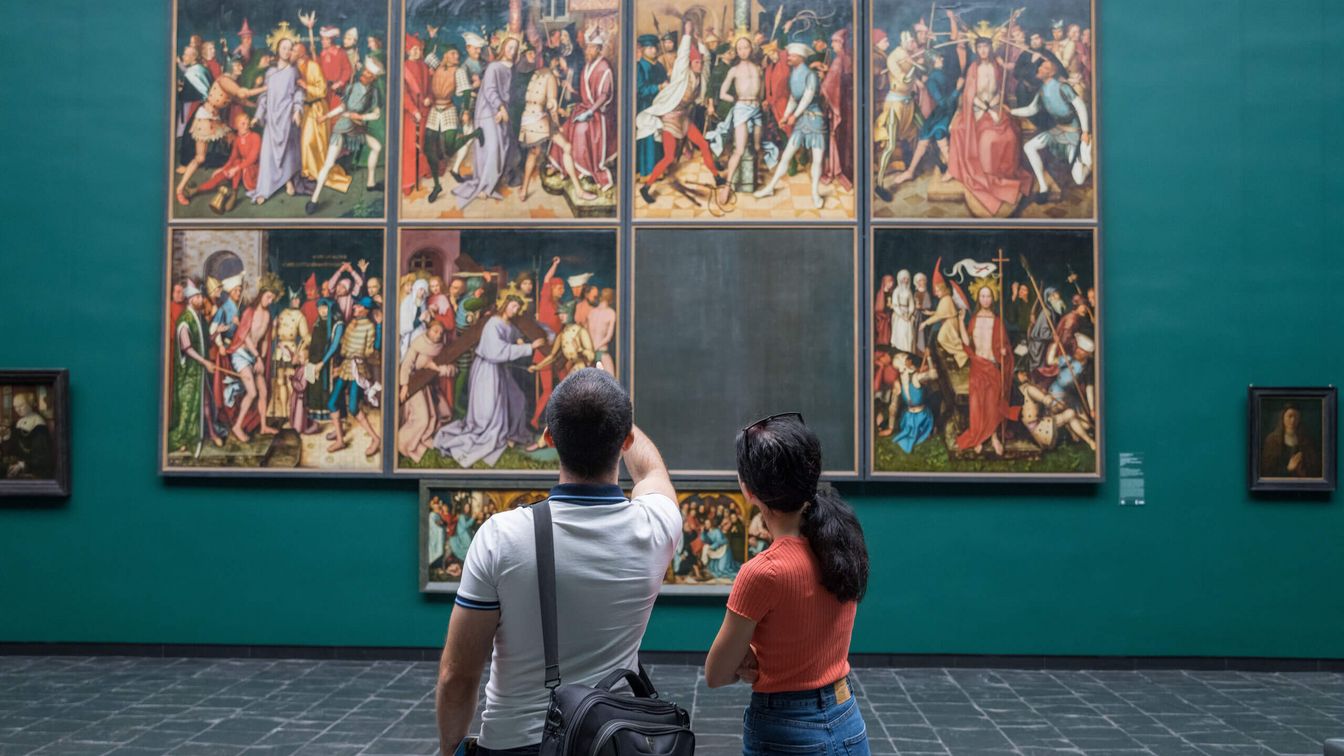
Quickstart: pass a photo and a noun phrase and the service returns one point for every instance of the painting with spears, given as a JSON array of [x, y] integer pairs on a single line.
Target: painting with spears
[[745, 110], [986, 353], [984, 109]]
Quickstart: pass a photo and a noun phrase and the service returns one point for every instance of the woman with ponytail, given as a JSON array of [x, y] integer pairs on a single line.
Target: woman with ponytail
[[791, 611]]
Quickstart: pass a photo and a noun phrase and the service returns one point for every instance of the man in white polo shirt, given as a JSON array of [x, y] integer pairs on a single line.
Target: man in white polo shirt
[[611, 554]]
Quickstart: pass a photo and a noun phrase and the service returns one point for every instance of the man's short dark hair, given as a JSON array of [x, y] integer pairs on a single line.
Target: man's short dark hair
[[589, 416]]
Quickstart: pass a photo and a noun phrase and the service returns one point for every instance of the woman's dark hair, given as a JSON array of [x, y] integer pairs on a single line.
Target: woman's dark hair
[[779, 462]]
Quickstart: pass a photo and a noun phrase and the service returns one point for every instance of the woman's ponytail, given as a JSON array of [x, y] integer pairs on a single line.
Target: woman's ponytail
[[836, 538], [779, 461]]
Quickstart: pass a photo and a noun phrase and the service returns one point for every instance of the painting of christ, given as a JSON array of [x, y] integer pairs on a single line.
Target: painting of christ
[[984, 109], [273, 352], [278, 114], [744, 111], [488, 322], [509, 110], [987, 352]]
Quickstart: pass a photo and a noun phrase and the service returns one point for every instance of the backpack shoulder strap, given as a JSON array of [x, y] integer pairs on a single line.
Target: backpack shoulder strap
[[545, 538]]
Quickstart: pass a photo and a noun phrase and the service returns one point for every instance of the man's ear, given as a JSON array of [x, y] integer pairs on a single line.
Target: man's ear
[[629, 439], [548, 438]]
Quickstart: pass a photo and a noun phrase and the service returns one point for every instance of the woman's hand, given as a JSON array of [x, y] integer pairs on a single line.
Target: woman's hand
[[748, 670]]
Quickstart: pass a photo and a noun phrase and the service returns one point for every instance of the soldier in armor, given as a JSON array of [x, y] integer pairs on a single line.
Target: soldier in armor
[[357, 382]]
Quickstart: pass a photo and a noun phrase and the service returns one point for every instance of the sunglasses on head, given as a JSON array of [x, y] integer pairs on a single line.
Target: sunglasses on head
[[768, 418]]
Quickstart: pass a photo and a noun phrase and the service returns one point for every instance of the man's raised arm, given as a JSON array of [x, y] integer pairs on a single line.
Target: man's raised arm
[[646, 467]]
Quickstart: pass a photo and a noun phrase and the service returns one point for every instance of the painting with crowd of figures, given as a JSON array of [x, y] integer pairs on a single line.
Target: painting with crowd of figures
[[279, 112], [744, 110], [273, 351], [489, 321], [510, 109], [983, 109], [720, 532], [987, 353]]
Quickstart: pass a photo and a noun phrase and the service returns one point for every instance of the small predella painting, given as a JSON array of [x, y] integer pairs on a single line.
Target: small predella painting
[[720, 532]]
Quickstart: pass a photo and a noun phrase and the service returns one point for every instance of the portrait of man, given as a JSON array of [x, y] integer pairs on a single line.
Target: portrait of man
[[1294, 445]]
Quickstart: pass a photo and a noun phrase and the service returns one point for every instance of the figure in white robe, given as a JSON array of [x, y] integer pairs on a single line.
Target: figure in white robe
[[411, 316], [278, 111], [903, 314]]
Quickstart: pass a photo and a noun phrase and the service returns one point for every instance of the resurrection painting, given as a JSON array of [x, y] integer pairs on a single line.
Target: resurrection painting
[[509, 109], [986, 354], [273, 357], [744, 109], [985, 109], [1293, 439], [488, 322], [278, 113], [34, 433], [720, 532]]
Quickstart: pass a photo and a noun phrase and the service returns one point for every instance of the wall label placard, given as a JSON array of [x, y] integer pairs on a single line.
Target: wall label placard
[[1132, 486]]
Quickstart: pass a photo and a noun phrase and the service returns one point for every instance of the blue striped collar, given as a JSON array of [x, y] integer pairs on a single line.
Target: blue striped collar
[[588, 493]]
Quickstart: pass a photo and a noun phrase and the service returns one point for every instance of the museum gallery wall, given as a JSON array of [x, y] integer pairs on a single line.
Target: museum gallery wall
[[393, 228]]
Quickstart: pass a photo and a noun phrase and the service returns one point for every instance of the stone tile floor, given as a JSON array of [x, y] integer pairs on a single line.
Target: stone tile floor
[[124, 705]]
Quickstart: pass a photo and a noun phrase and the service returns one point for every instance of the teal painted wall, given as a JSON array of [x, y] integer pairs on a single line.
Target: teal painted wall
[[1222, 134]]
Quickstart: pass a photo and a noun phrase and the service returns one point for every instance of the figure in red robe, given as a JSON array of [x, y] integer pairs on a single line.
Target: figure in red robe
[[415, 85], [548, 314], [777, 85], [986, 147], [838, 89], [243, 165], [309, 308], [335, 64], [591, 129], [986, 342], [882, 310]]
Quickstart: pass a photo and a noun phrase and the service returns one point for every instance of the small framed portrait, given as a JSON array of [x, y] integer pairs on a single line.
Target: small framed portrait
[[34, 433], [1292, 439]]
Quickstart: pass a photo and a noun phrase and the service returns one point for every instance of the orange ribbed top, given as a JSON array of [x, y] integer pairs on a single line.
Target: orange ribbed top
[[802, 630]]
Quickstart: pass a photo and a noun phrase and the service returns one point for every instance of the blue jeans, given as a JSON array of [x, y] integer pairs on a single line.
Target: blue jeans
[[804, 722]]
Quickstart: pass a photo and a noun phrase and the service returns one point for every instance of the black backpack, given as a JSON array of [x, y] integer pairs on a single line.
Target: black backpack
[[583, 721]]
